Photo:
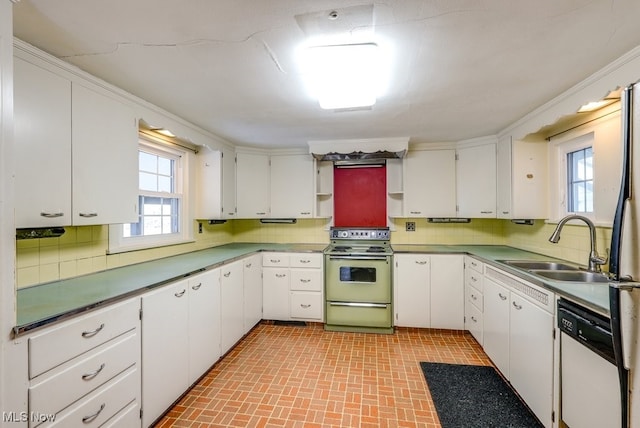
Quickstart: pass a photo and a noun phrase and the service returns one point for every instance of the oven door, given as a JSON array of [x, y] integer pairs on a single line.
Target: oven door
[[358, 278]]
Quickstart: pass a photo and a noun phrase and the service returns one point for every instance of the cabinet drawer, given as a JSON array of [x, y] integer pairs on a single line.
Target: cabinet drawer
[[275, 259], [306, 260], [474, 297], [306, 305], [474, 279], [474, 264], [129, 417], [101, 405], [306, 279], [75, 379], [474, 322], [58, 344]]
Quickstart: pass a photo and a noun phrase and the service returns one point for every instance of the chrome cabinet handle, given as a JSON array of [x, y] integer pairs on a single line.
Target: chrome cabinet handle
[[474, 279], [248, 265], [473, 296], [305, 261], [421, 262], [486, 212], [474, 319], [517, 306], [88, 334], [305, 213], [87, 215], [91, 418], [51, 215], [304, 306], [502, 296], [416, 212], [275, 260], [89, 376], [197, 286], [505, 212], [260, 213], [305, 281], [227, 275], [281, 275], [180, 294]]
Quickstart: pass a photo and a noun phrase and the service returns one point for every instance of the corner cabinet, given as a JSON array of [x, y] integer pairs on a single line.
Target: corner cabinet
[[522, 174], [476, 181]]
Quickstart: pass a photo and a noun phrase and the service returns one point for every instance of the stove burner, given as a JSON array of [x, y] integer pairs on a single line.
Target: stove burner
[[341, 248], [376, 249]]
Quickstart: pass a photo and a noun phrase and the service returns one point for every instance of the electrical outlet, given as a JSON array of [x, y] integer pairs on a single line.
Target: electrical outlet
[[410, 226], [199, 227]]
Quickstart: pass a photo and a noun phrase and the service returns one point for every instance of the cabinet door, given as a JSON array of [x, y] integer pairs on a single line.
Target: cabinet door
[[252, 291], [209, 184], [228, 183], [252, 185], [476, 185], [104, 159], [275, 295], [204, 322], [292, 186], [412, 283], [529, 193], [430, 183], [42, 103], [503, 175], [531, 356], [232, 304], [165, 348], [447, 292], [495, 336]]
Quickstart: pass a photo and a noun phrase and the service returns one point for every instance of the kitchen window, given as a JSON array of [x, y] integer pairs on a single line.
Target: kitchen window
[[580, 180], [162, 217]]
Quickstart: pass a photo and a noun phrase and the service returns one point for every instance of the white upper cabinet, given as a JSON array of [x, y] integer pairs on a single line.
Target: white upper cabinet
[[292, 193], [476, 181], [216, 177], [252, 185], [430, 183], [522, 179], [104, 136], [42, 103]]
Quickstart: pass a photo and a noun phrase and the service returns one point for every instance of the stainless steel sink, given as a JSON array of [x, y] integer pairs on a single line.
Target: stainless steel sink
[[540, 265], [572, 275]]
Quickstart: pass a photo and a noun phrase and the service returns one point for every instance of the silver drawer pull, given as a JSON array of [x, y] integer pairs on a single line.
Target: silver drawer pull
[[88, 334], [474, 319], [502, 296], [473, 296], [305, 213], [304, 306], [275, 260], [261, 213], [91, 418], [517, 306], [416, 212], [88, 215], [486, 212], [248, 265], [421, 262], [180, 293], [89, 376], [197, 286], [281, 275], [359, 305], [305, 261], [51, 215], [305, 281], [474, 279], [227, 275]]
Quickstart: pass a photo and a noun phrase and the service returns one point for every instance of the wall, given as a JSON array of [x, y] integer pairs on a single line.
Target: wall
[[478, 232]]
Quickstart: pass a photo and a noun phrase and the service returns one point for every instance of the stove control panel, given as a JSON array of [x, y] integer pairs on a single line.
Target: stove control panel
[[345, 233]]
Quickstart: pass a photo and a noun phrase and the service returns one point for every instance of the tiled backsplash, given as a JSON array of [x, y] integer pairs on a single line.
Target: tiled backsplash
[[83, 250]]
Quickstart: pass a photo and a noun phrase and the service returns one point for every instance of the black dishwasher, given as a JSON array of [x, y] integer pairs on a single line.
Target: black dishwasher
[[587, 327]]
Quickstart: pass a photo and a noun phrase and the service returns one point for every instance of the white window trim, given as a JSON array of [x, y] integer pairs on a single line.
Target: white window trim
[[120, 244], [559, 185]]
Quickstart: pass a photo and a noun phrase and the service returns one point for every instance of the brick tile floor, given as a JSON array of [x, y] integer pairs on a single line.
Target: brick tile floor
[[292, 376]]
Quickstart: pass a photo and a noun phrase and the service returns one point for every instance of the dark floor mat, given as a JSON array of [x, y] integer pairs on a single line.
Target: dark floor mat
[[475, 396]]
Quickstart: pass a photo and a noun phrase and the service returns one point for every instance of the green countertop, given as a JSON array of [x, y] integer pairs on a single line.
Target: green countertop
[[45, 303]]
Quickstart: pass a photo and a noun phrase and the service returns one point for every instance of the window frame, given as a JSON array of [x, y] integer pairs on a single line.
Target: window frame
[[118, 243], [572, 179]]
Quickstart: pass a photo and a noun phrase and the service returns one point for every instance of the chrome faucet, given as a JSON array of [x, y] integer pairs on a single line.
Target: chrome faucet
[[595, 260]]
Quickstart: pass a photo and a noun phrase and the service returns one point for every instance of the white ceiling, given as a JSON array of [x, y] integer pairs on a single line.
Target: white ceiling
[[462, 68]]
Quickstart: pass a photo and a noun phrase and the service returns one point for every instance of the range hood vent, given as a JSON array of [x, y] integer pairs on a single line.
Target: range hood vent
[[359, 150]]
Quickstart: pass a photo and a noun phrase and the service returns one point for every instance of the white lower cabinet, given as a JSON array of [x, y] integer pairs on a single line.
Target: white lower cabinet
[[429, 291], [232, 304], [83, 372], [252, 278], [474, 298], [293, 286], [519, 338]]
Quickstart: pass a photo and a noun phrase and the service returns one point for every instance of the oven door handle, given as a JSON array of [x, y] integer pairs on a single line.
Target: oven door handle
[[357, 257], [359, 305]]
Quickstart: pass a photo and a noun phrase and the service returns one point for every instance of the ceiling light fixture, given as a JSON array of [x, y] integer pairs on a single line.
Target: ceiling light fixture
[[595, 105], [344, 76]]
